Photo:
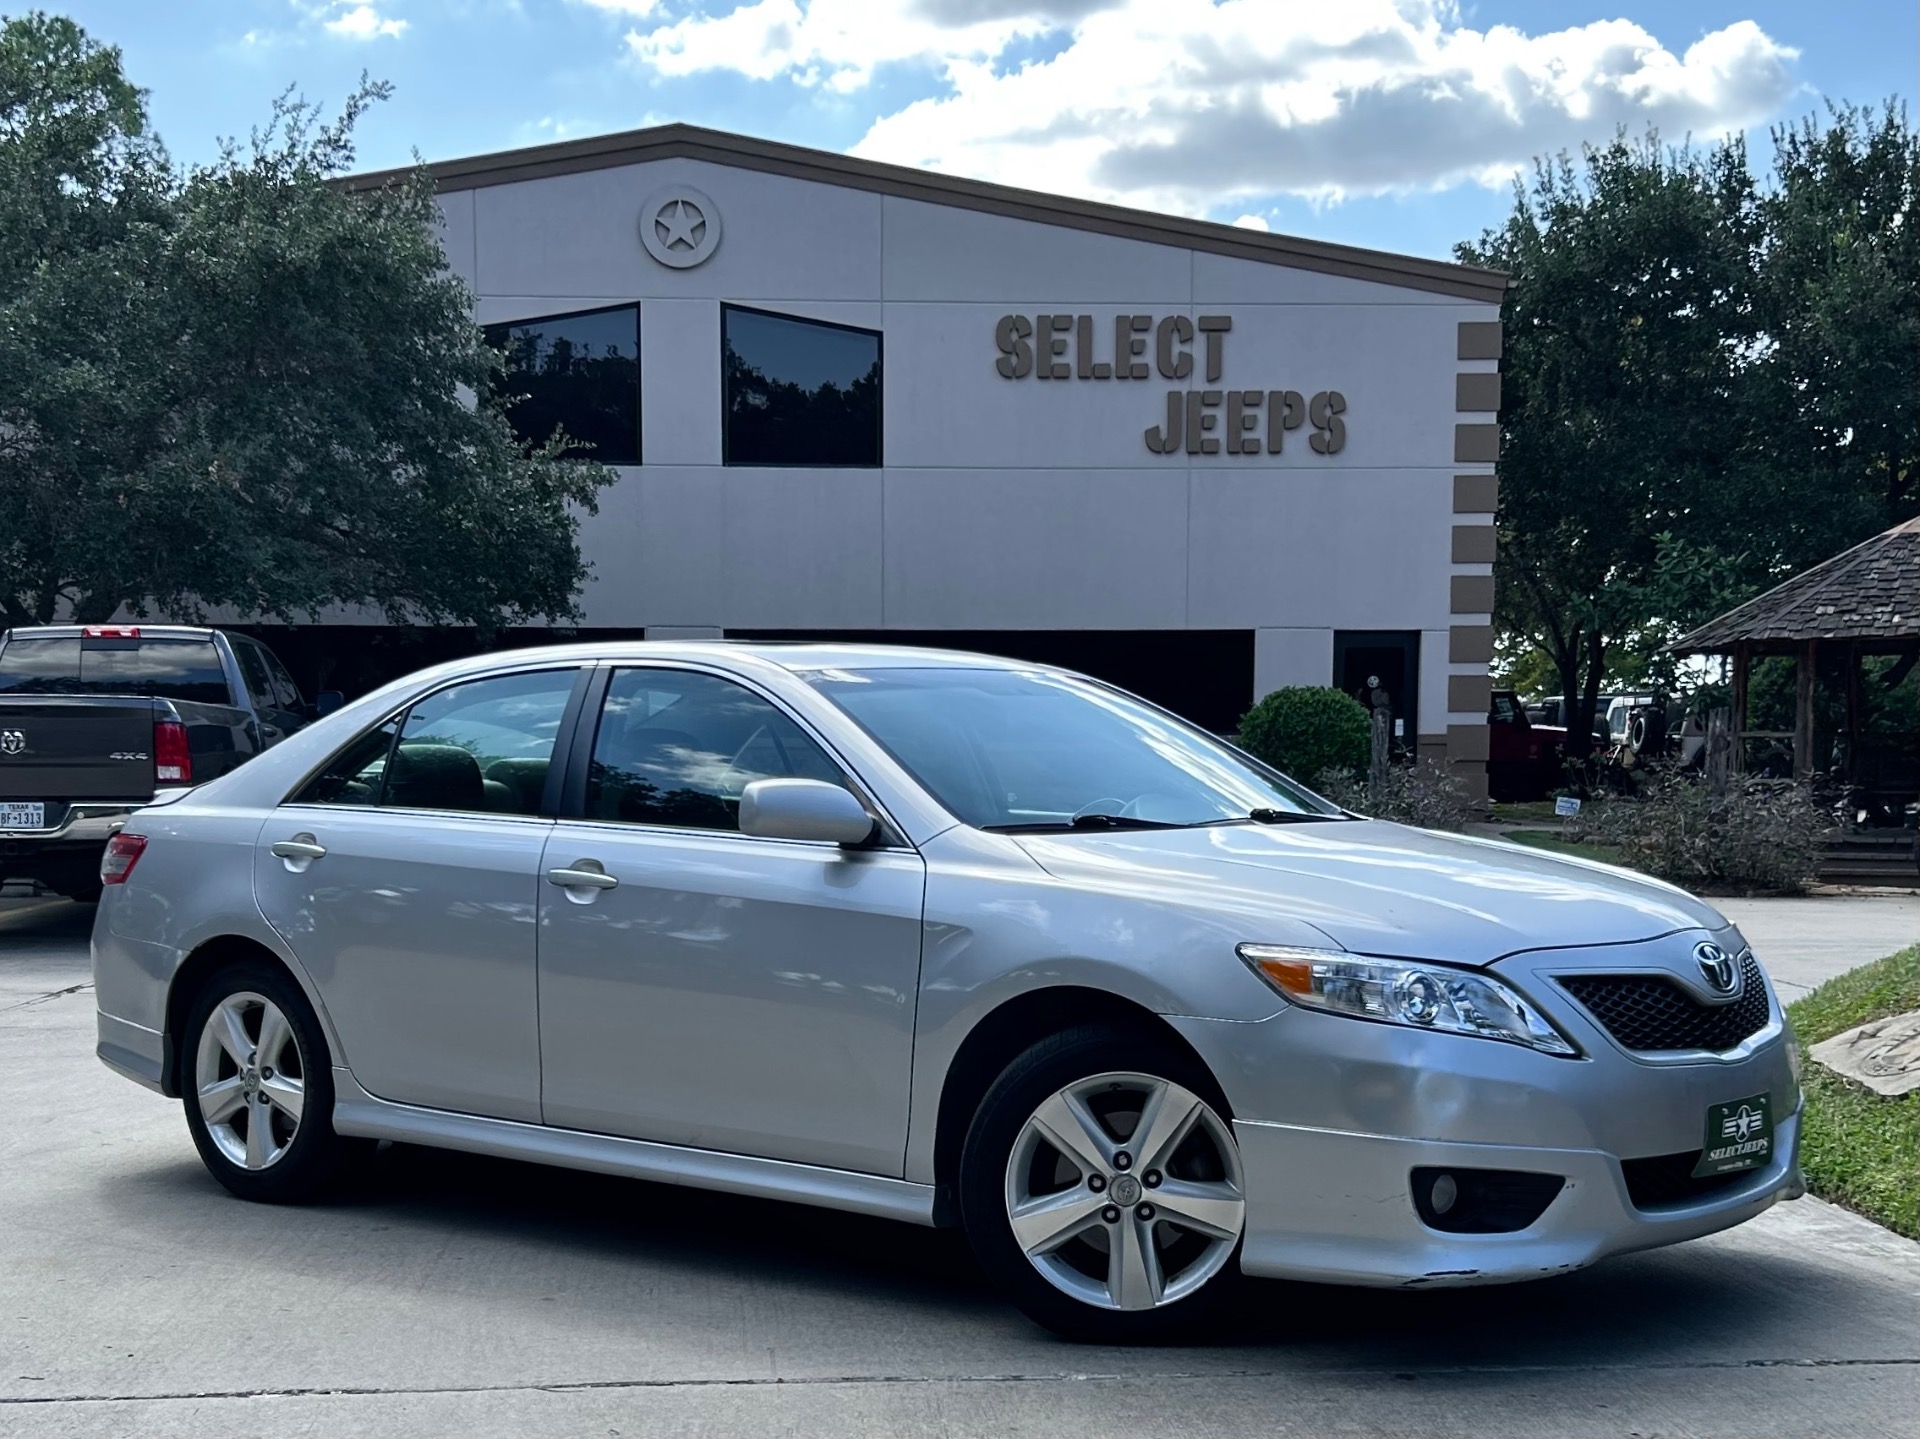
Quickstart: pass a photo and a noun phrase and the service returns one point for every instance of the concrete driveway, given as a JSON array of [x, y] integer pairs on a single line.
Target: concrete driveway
[[450, 1294], [1806, 942]]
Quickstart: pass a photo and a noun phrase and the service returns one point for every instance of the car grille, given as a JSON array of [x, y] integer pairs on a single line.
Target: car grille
[[1668, 1179], [1650, 1013]]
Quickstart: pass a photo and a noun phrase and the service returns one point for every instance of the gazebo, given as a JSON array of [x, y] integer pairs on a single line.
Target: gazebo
[[1860, 603]]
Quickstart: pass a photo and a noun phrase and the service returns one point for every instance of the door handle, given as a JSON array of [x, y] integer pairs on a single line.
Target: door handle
[[575, 878], [299, 847]]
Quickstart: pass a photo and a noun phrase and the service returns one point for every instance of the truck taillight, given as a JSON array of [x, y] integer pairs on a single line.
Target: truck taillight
[[110, 632], [123, 853], [172, 761]]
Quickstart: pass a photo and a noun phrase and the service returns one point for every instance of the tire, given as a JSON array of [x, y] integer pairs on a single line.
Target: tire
[[297, 1156], [1163, 1279]]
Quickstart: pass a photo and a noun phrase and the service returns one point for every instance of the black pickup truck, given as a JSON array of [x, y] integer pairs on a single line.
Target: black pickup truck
[[95, 718]]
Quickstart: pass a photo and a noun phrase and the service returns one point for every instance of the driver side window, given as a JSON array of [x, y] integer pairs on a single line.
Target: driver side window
[[675, 747]]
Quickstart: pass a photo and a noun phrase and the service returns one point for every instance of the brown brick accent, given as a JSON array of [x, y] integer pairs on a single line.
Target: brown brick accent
[[1467, 743], [1473, 544], [1476, 444], [1479, 339], [1433, 749], [1475, 391], [1469, 694], [1472, 594], [1470, 645], [1475, 494]]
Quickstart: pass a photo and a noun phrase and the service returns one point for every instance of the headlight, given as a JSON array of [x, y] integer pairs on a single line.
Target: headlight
[[1394, 991]]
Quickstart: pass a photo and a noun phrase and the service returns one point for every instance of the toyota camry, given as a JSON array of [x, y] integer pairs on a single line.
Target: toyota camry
[[941, 939]]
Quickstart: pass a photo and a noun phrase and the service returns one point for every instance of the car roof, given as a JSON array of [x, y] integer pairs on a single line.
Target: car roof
[[147, 631]]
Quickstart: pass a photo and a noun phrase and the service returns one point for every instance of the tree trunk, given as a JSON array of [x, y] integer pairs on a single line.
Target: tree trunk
[[1596, 667]]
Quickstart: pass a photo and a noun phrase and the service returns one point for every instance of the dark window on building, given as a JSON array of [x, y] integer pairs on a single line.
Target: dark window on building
[[799, 392], [578, 373]]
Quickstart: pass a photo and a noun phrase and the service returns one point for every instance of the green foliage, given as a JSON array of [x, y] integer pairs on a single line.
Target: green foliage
[[246, 385], [1422, 795], [1708, 384], [1761, 838], [1859, 1148], [1308, 730]]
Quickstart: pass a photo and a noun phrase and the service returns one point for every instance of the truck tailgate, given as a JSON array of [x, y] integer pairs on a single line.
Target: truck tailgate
[[75, 747]]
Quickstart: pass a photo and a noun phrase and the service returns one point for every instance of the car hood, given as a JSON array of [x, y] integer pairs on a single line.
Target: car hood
[[1381, 889]]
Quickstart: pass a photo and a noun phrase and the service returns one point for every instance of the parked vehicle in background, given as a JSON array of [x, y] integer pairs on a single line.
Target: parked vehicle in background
[[1524, 759], [95, 719]]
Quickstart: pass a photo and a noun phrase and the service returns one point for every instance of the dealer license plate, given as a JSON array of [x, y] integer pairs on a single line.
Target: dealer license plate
[[16, 814], [1739, 1136]]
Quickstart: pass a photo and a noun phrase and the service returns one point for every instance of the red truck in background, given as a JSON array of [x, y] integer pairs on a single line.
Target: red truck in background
[[1524, 759]]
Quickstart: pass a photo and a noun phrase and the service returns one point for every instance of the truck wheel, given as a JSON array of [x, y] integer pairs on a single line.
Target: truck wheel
[[1100, 1186]]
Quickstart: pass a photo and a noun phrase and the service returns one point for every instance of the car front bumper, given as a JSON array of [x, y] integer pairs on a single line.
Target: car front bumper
[[1334, 1114], [1337, 1207]]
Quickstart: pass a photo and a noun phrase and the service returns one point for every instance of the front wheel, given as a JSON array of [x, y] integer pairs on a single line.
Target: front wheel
[[1100, 1186], [259, 1089]]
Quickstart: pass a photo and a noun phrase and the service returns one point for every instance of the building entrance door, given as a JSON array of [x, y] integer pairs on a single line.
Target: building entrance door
[[1367, 663]]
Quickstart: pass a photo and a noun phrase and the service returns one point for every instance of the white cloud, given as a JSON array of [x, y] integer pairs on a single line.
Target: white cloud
[[1192, 105], [363, 22], [639, 9], [1253, 222]]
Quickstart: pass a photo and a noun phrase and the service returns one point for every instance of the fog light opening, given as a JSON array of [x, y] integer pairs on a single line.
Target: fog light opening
[[1444, 1192]]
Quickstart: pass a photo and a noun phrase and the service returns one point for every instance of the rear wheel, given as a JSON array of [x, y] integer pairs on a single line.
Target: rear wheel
[[1100, 1186], [258, 1089]]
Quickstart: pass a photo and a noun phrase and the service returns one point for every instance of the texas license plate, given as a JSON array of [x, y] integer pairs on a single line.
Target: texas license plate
[[15, 814], [1739, 1136]]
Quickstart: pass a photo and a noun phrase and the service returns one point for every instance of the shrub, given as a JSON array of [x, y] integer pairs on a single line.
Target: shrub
[[1422, 795], [1763, 837], [1307, 730]]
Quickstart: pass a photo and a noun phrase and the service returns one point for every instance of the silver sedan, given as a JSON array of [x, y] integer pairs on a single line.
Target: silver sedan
[[946, 940]]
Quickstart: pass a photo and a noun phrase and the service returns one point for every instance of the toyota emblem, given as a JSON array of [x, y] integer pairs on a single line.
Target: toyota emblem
[[1717, 965]]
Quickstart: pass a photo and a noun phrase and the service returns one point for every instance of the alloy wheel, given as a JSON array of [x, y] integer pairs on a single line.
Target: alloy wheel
[[1123, 1190], [250, 1080]]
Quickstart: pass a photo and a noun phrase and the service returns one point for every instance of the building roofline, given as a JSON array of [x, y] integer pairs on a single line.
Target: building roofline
[[719, 147]]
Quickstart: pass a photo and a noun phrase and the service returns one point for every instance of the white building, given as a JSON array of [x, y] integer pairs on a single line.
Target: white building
[[1200, 460]]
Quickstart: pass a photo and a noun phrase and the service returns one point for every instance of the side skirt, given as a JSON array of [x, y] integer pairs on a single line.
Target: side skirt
[[359, 1113]]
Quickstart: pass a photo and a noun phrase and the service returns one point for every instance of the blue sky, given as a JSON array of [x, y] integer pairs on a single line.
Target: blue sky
[[1395, 124]]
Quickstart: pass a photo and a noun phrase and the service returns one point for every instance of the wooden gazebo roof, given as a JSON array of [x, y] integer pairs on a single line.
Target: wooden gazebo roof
[[1869, 593]]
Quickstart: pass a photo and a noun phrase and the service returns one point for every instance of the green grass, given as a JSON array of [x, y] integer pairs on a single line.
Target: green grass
[[1547, 840], [1529, 810], [1861, 1149]]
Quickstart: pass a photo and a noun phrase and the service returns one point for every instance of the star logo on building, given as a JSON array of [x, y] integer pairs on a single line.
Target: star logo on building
[[680, 227]]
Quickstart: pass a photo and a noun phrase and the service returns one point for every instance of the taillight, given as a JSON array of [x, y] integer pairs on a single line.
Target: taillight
[[172, 762], [110, 632], [123, 852]]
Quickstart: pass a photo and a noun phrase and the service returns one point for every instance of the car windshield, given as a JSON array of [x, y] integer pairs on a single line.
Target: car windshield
[[1023, 749]]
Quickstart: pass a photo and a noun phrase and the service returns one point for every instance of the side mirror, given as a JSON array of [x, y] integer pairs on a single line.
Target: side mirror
[[803, 809], [327, 701]]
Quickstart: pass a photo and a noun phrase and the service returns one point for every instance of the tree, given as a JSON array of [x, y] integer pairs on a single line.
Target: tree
[[247, 386], [1630, 309]]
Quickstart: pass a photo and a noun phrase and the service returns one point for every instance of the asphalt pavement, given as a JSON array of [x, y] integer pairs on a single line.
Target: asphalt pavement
[[448, 1294]]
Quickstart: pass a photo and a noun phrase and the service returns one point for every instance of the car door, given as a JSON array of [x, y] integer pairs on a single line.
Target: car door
[[709, 988], [405, 877]]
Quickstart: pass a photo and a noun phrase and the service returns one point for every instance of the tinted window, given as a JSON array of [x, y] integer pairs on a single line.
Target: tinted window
[[579, 373], [799, 392], [151, 668], [253, 667], [677, 748], [284, 688], [354, 775], [484, 745], [1020, 749]]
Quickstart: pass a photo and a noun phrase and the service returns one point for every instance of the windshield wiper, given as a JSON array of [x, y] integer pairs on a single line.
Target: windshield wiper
[[1288, 816], [1083, 821]]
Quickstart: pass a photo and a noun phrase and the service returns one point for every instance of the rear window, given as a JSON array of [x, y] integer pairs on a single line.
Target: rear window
[[152, 668]]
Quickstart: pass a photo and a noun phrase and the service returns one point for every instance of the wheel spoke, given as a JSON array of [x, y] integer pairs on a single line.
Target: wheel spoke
[[233, 1034], [220, 1100], [289, 1095], [1166, 1118], [259, 1137], [1215, 1210], [1069, 1126], [274, 1033], [1134, 1280], [1044, 1224]]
